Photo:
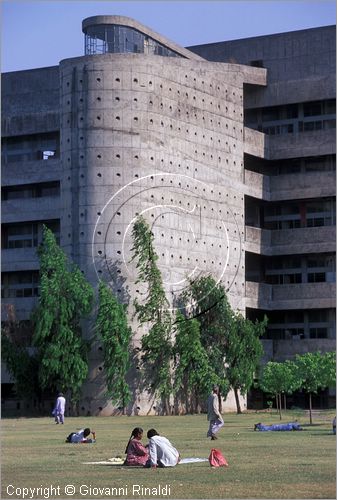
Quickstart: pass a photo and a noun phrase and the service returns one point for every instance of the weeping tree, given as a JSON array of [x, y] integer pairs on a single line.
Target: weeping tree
[[193, 373], [153, 311], [243, 353], [113, 331], [208, 303], [65, 299], [21, 364]]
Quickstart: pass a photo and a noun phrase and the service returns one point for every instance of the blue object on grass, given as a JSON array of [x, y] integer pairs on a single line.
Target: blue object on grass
[[290, 426]]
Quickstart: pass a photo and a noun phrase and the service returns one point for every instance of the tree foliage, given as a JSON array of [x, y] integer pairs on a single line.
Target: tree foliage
[[153, 311], [243, 353], [316, 371], [207, 301], [279, 378], [115, 334], [193, 374], [65, 298], [22, 366]]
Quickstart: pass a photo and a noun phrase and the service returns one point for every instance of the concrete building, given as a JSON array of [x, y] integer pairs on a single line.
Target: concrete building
[[228, 151]]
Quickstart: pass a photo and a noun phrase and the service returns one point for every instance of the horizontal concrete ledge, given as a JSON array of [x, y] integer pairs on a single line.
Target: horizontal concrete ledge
[[290, 241], [289, 187], [281, 350], [282, 297]]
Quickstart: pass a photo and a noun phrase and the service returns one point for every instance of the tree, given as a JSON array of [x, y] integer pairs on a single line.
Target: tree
[[113, 330], [207, 301], [65, 298], [315, 371], [278, 378], [328, 370], [153, 311], [21, 364], [193, 374], [243, 353]]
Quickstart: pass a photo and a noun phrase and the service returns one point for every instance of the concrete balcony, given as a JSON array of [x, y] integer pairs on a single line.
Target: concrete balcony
[[290, 241], [255, 143], [289, 187], [299, 186], [282, 297], [258, 240], [281, 350], [256, 185], [320, 142], [19, 259], [17, 173], [29, 209], [304, 240]]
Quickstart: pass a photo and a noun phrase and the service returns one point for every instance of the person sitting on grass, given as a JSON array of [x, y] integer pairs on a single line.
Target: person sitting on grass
[[290, 426], [136, 452], [81, 436], [162, 452]]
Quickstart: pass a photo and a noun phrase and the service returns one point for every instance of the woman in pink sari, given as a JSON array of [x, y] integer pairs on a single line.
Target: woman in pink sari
[[136, 452]]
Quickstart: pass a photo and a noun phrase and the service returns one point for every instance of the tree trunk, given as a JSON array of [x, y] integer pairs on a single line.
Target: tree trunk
[[280, 409], [237, 401], [276, 401], [285, 401], [310, 408]]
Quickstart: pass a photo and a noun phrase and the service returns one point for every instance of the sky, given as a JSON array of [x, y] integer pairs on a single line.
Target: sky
[[35, 34]]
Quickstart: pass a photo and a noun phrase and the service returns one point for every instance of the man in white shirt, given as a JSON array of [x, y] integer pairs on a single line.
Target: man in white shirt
[[213, 413], [162, 452], [80, 437], [59, 409]]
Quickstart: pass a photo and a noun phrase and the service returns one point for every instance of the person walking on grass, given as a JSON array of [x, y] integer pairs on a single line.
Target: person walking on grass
[[59, 409], [213, 413]]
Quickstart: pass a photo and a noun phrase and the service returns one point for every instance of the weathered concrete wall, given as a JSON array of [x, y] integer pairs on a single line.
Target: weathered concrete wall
[[162, 137], [306, 56]]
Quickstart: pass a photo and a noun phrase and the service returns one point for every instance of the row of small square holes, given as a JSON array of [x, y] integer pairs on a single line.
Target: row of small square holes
[[135, 80], [163, 179]]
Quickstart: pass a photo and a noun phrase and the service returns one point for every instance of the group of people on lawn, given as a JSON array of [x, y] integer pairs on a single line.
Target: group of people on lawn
[[159, 452]]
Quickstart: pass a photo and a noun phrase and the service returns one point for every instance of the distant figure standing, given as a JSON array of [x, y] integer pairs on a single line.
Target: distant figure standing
[[213, 413], [58, 411]]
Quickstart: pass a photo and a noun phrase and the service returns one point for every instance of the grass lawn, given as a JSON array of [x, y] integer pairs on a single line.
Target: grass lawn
[[261, 464]]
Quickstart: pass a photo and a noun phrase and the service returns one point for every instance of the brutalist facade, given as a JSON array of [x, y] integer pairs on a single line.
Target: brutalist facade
[[228, 151]]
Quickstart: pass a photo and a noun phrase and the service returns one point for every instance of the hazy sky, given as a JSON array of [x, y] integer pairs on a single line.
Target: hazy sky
[[37, 34]]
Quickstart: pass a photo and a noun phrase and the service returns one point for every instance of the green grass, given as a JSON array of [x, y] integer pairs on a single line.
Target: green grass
[[261, 465]]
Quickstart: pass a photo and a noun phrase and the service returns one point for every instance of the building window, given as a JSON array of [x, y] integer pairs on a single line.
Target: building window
[[318, 333], [257, 63], [27, 234], [118, 39], [40, 190], [31, 147], [20, 284], [316, 277]]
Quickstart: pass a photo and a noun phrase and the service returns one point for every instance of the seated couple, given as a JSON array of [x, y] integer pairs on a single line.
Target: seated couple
[[158, 453]]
